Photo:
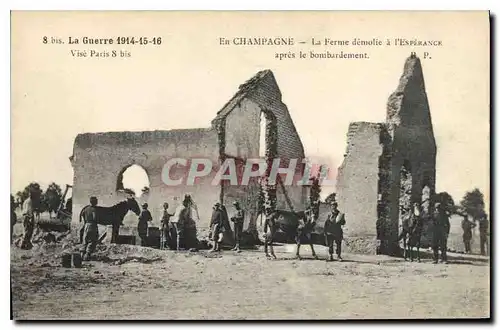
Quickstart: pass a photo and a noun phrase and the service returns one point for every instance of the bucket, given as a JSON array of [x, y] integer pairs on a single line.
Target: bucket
[[77, 260], [66, 260]]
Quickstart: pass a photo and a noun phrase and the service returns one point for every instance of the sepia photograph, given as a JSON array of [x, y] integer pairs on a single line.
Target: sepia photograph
[[250, 165]]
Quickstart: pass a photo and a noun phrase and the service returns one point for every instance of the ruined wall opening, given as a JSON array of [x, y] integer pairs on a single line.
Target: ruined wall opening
[[405, 192], [136, 178], [426, 207], [426, 196]]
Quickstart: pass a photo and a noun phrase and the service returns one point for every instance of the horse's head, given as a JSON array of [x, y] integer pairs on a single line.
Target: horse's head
[[133, 205]]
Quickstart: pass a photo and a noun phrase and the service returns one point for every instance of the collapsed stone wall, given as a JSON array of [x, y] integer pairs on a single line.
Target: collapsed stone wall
[[409, 119], [399, 168], [358, 189], [99, 159], [241, 129], [383, 222], [241, 116], [288, 143]]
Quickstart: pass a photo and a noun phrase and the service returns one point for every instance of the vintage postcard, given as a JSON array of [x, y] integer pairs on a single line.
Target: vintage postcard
[[252, 165]]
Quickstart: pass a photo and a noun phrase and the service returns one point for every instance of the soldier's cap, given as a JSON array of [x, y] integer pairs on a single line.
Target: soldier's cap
[[145, 205], [217, 204], [93, 198], [335, 204]]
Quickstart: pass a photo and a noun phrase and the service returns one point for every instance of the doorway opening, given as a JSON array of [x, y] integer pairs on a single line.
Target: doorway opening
[[405, 193]]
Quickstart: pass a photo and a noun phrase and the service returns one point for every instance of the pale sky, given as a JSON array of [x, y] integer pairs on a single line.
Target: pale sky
[[183, 82]]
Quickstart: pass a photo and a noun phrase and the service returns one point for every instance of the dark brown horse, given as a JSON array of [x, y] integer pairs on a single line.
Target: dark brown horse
[[113, 216], [287, 226], [411, 236], [412, 233]]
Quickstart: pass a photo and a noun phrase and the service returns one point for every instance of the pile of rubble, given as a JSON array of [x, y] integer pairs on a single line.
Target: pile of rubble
[[48, 238], [50, 246], [118, 254]]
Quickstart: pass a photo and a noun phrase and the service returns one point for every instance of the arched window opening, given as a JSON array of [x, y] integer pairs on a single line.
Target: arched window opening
[[134, 178]]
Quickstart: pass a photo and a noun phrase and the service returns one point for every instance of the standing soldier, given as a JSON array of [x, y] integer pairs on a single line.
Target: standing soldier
[[270, 225], [165, 227], [90, 233], [467, 228], [182, 227], [238, 220], [13, 216], [28, 222], [142, 226], [216, 227], [333, 231], [484, 225], [180, 219], [441, 224]]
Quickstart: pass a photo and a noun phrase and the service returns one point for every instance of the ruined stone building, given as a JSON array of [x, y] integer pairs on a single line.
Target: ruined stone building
[[388, 166], [100, 159]]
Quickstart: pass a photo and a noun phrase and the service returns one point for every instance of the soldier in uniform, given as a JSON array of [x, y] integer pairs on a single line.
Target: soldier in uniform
[[90, 231], [333, 230], [484, 225], [270, 227], [441, 225], [142, 226], [28, 223], [238, 219], [180, 223], [165, 227], [13, 216], [216, 227], [467, 227]]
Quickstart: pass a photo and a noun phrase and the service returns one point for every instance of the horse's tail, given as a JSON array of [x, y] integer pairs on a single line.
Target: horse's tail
[[402, 235]]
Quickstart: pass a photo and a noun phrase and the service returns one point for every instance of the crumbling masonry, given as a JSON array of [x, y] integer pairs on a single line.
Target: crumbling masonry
[[388, 166], [99, 159]]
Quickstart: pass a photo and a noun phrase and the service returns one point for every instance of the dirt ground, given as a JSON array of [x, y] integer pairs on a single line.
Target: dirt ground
[[131, 282]]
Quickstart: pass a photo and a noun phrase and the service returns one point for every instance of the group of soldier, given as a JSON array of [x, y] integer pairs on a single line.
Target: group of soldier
[[219, 225], [468, 226], [440, 230], [176, 234], [179, 233]]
